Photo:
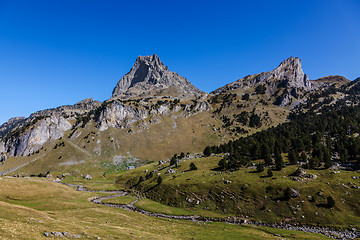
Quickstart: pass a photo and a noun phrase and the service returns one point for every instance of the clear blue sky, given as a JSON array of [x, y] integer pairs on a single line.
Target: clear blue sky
[[58, 52]]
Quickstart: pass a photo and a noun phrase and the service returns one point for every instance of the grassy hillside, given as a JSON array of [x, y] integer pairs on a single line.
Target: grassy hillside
[[250, 194]]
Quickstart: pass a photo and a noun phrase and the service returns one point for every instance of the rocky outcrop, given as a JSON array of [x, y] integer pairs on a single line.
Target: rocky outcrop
[[3, 157], [120, 114], [25, 136], [32, 139], [284, 82], [10, 124], [150, 77], [66, 111]]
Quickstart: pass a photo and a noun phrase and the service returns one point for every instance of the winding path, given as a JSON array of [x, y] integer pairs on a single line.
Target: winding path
[[337, 234]]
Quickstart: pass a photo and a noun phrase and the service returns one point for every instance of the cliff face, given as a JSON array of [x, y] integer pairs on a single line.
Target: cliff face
[[23, 136], [10, 124], [118, 114], [31, 140], [150, 77]]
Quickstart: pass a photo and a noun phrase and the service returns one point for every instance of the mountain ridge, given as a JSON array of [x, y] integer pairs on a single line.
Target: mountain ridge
[[150, 96]]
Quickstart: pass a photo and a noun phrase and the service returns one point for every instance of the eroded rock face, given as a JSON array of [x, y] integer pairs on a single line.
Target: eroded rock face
[[32, 139], [10, 124], [22, 136], [150, 77], [290, 70], [118, 114], [2, 146], [3, 157]]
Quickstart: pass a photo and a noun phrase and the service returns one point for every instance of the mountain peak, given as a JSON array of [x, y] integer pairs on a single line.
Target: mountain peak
[[290, 70], [150, 76], [150, 60], [291, 61], [288, 74]]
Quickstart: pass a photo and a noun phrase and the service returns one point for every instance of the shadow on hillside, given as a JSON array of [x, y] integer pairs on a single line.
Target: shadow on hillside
[[323, 205], [152, 188]]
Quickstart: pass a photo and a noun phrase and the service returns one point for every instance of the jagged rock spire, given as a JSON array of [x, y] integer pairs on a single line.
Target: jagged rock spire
[[149, 76], [290, 70]]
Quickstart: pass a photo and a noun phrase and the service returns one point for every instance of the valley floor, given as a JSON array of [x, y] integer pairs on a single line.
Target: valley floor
[[32, 207]]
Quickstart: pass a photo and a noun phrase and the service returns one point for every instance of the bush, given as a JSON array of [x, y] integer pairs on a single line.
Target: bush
[[260, 89], [245, 97], [159, 180], [259, 167], [270, 173], [222, 164], [207, 151], [330, 202], [193, 166]]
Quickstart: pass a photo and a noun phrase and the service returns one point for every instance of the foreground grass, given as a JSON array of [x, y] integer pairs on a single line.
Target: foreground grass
[[30, 207]]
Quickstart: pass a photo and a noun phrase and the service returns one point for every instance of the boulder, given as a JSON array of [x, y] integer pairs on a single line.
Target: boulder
[[88, 177]]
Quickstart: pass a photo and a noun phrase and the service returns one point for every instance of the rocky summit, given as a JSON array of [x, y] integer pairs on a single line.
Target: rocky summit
[[150, 77], [285, 82]]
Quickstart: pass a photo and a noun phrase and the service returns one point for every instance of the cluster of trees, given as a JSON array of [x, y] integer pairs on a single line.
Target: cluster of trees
[[250, 118], [311, 138], [175, 159], [62, 144]]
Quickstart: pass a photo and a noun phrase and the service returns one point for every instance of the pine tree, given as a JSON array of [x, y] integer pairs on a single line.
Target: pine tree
[[222, 164], [207, 151], [293, 157], [259, 167], [279, 162], [268, 160], [303, 157], [327, 159]]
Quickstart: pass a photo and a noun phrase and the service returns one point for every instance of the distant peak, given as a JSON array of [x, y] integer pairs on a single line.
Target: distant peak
[[87, 100], [293, 61], [150, 74]]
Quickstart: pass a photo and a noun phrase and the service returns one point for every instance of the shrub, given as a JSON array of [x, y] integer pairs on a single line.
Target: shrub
[[270, 173], [159, 180], [245, 97], [259, 167], [193, 166], [260, 89], [330, 202], [222, 164], [207, 151], [141, 179]]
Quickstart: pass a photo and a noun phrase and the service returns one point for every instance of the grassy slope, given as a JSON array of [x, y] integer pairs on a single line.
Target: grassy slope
[[31, 207], [250, 194]]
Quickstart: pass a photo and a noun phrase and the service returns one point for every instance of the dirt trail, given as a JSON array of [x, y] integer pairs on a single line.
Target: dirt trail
[[10, 170], [89, 154]]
